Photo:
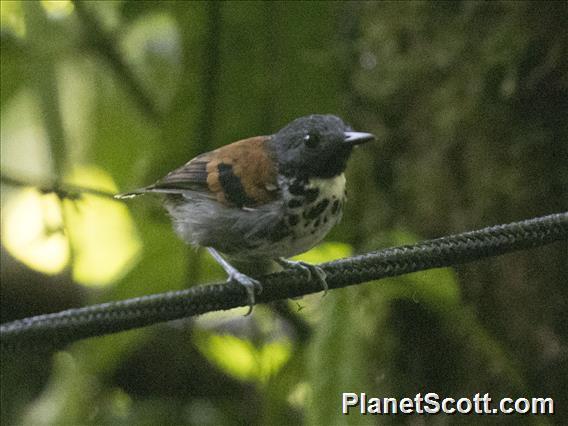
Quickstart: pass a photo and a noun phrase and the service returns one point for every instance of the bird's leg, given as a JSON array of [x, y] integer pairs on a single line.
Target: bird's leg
[[249, 283], [309, 268]]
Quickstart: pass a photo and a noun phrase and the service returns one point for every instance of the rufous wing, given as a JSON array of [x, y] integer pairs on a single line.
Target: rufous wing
[[241, 174]]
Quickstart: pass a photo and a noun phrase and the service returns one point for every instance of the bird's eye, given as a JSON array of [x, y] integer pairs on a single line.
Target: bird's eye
[[311, 140]]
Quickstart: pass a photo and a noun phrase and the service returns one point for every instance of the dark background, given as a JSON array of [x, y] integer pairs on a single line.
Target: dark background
[[469, 102]]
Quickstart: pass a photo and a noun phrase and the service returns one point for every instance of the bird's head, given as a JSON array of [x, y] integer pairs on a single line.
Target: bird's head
[[315, 146]]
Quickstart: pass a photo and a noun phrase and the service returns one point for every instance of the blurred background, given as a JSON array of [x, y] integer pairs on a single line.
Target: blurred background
[[469, 102]]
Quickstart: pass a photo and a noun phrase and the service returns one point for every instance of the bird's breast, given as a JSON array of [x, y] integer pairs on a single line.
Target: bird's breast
[[312, 208]]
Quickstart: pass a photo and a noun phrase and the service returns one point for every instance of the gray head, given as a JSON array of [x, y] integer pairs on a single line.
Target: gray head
[[315, 146]]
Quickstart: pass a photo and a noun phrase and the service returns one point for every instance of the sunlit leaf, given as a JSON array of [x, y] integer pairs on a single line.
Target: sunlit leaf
[[273, 356], [233, 355], [241, 359], [32, 231], [35, 230], [104, 239]]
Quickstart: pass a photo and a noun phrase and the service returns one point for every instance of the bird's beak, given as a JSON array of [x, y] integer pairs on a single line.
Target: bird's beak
[[357, 138]]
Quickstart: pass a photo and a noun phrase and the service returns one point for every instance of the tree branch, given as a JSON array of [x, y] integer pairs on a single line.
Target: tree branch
[[63, 191]]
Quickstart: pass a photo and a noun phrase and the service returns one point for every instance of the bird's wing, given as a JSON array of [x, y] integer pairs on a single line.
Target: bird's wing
[[190, 176], [241, 174]]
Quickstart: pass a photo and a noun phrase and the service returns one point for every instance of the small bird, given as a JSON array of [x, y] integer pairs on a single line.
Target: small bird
[[263, 199]]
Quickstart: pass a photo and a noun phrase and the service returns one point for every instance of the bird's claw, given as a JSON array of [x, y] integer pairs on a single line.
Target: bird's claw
[[251, 286], [310, 271]]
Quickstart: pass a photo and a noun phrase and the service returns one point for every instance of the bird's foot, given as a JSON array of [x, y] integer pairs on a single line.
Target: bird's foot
[[311, 270], [251, 285]]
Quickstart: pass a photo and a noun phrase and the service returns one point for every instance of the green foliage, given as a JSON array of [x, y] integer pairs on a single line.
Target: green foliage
[[239, 357]]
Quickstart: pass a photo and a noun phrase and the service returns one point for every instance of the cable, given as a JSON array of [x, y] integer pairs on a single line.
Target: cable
[[52, 331]]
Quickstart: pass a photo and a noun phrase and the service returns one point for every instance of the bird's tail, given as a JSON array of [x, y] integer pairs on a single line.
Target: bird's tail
[[131, 194], [150, 189]]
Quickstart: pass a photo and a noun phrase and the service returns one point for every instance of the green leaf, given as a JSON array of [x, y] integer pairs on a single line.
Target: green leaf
[[243, 360]]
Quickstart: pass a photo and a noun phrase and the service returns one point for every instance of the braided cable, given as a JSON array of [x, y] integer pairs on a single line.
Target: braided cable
[[52, 331]]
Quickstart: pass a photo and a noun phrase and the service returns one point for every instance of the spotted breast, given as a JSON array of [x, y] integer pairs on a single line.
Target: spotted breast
[[311, 209]]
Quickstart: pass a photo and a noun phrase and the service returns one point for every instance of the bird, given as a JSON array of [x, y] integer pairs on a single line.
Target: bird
[[263, 199]]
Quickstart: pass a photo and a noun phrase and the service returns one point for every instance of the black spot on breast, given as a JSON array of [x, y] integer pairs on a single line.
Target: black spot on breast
[[232, 186], [294, 202], [293, 219], [297, 187], [335, 207], [311, 194], [325, 219], [314, 212]]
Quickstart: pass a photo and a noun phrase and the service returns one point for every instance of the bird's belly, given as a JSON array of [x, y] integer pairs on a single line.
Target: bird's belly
[[285, 228], [302, 238]]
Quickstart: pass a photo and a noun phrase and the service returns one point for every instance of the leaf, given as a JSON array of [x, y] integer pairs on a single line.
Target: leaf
[[103, 236], [243, 360]]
